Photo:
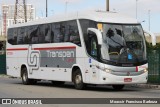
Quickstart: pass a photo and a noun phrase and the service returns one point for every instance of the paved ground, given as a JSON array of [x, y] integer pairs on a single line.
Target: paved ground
[[13, 88]]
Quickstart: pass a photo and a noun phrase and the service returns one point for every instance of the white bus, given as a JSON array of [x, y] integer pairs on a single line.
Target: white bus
[[100, 48]]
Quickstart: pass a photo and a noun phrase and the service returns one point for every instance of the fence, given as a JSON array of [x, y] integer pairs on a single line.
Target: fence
[[3, 64], [154, 66]]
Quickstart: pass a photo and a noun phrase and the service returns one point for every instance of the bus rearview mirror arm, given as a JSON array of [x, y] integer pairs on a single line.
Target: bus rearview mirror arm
[[98, 34]]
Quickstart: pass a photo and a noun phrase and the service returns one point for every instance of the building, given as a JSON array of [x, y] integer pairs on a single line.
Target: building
[[158, 37], [0, 27], [8, 15], [149, 38]]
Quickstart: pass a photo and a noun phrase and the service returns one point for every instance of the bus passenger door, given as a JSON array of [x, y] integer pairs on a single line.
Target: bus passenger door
[[92, 48]]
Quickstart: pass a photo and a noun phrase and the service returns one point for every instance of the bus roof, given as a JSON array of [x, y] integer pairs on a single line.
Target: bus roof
[[99, 16]]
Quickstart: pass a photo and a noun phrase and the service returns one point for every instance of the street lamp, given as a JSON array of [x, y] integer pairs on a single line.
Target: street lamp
[[107, 5], [136, 9], [149, 19], [66, 4], [46, 8]]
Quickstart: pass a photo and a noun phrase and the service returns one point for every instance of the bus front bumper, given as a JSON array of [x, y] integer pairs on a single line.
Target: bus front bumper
[[114, 79]]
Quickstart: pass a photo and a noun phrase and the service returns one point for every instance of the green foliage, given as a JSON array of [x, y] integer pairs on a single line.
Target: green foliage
[[150, 47]]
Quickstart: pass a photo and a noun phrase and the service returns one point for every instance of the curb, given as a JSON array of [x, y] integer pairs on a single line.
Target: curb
[[147, 86], [3, 75]]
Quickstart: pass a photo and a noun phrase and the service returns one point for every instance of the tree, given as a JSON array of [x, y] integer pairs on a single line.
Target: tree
[[1, 45]]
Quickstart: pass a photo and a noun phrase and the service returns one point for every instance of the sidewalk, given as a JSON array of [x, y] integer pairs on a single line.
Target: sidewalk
[[147, 86], [3, 75]]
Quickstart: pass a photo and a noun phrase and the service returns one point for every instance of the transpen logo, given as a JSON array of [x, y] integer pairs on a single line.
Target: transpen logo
[[61, 54], [33, 59]]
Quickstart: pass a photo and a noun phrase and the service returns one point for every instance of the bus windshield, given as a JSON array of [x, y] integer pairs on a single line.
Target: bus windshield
[[123, 44]]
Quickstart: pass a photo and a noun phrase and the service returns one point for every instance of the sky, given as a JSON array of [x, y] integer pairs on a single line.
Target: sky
[[127, 7]]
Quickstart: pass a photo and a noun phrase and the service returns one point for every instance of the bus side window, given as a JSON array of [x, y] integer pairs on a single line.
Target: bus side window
[[41, 33], [56, 33], [53, 27], [74, 33], [33, 37], [85, 24], [26, 36], [20, 34], [62, 32], [92, 45], [15, 36], [59, 32], [10, 36], [48, 32]]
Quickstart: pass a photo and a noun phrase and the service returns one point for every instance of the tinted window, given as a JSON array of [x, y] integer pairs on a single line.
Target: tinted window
[[26, 36], [58, 30], [10, 36], [21, 33], [72, 34], [32, 32], [48, 33], [41, 33], [85, 24]]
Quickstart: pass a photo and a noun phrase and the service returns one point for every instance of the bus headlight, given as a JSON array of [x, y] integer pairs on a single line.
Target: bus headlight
[[107, 70], [145, 70], [104, 69]]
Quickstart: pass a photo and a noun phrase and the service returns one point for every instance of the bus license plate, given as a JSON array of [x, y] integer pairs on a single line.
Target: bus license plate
[[127, 79]]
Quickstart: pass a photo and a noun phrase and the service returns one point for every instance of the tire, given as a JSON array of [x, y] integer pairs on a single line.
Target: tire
[[78, 80], [24, 76], [118, 87], [58, 83]]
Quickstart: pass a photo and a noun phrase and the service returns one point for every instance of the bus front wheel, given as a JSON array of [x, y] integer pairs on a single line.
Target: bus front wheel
[[118, 87], [78, 80]]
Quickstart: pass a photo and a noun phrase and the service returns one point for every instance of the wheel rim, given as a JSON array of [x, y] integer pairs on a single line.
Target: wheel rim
[[78, 79]]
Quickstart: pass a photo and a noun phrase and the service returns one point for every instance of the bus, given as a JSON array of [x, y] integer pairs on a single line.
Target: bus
[[95, 48]]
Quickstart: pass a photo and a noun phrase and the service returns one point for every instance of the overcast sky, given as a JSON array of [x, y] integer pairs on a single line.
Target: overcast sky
[[122, 6]]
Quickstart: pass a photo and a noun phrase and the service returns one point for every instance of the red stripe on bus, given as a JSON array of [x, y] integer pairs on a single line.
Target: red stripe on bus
[[17, 49], [54, 48], [49, 48], [136, 69]]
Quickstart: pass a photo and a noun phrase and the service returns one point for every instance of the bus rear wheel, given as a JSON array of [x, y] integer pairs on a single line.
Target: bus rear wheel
[[118, 87], [25, 79], [78, 80]]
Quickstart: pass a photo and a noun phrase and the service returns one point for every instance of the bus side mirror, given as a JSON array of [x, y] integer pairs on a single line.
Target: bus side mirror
[[98, 34]]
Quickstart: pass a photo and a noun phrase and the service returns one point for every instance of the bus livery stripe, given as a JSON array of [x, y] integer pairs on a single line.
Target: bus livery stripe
[[48, 48], [55, 48], [17, 49]]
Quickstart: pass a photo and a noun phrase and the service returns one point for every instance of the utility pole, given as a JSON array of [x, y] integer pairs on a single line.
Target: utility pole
[[149, 19], [20, 10], [46, 8], [4, 23], [107, 5], [66, 7]]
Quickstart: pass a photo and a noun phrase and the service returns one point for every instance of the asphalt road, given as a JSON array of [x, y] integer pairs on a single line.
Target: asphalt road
[[13, 88]]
